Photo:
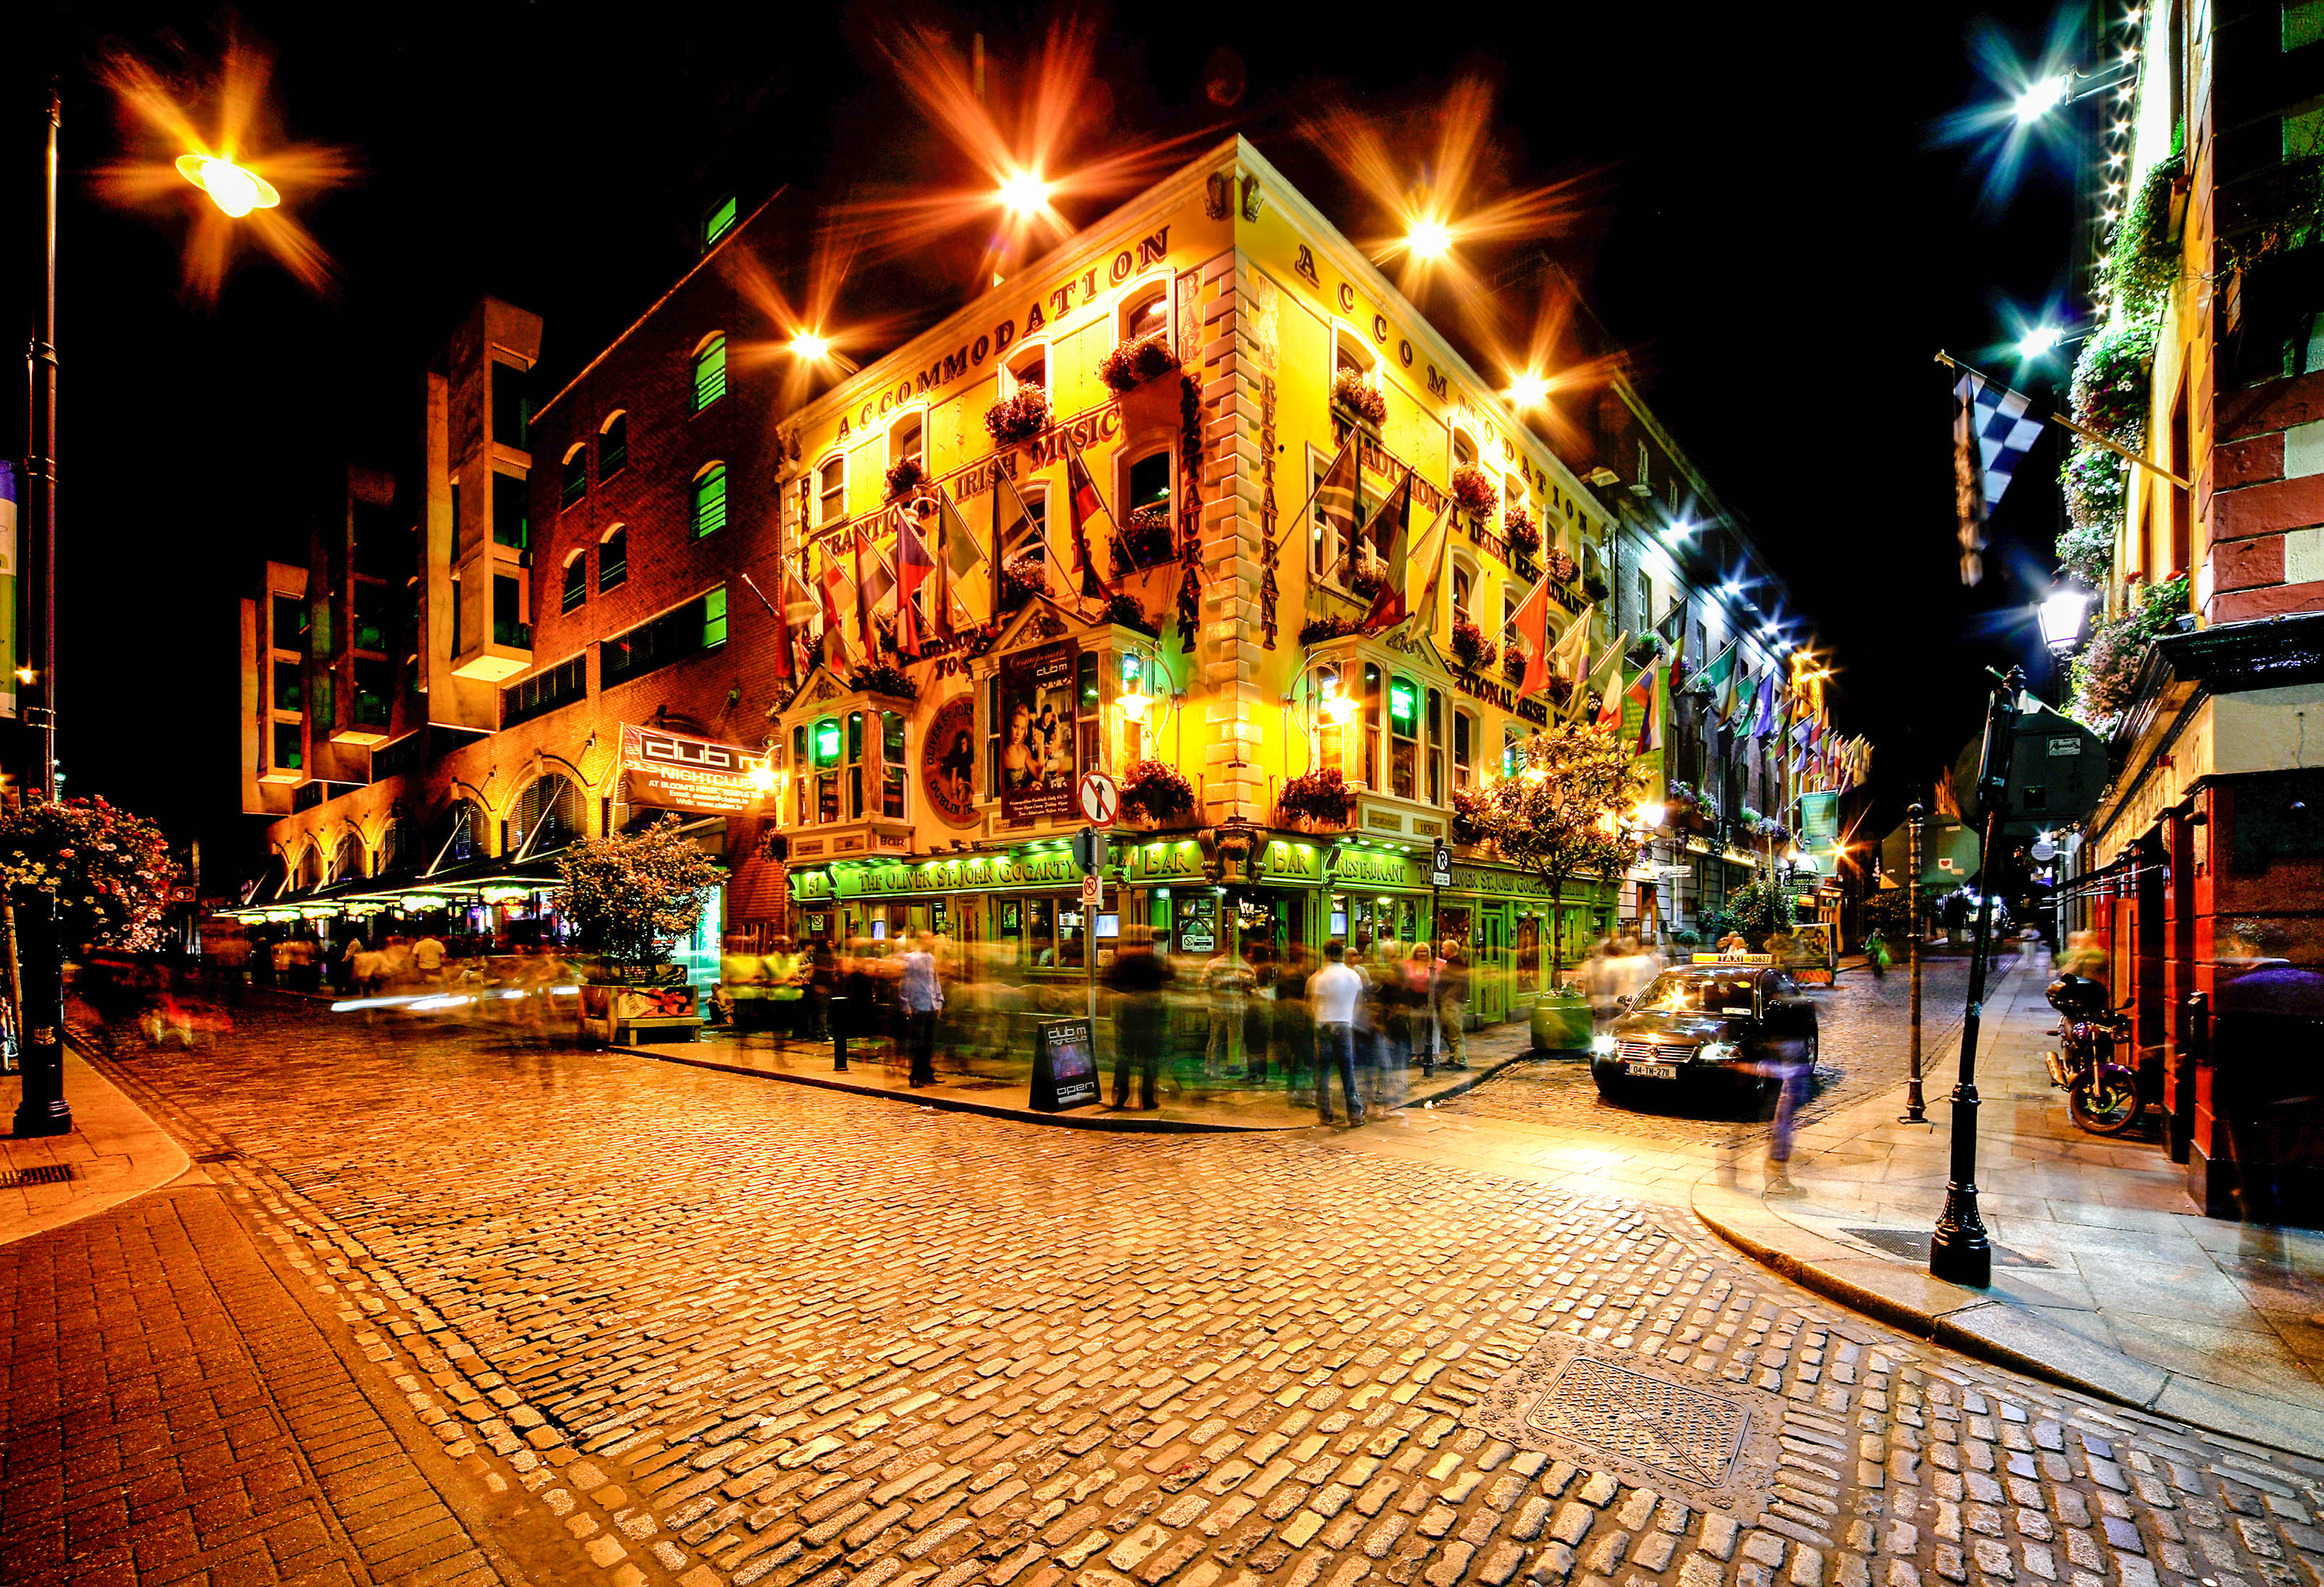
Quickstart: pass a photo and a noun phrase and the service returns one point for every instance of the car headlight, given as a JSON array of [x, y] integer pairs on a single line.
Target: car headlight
[[1719, 1052], [1602, 1047]]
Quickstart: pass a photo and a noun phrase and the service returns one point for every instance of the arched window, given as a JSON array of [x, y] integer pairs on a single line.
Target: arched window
[[457, 835], [613, 558], [1404, 737], [1144, 311], [1464, 447], [1465, 585], [395, 847], [346, 858], [577, 472], [908, 439], [709, 370], [1435, 747], [1145, 523], [576, 577], [547, 816], [1026, 533], [612, 446], [1348, 352], [309, 872], [709, 512], [1028, 367], [831, 489]]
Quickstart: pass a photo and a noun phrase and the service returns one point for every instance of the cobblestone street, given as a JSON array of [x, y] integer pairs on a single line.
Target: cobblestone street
[[707, 1329]]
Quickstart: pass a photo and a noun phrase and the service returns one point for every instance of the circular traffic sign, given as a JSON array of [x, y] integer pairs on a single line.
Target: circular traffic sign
[[1100, 798]]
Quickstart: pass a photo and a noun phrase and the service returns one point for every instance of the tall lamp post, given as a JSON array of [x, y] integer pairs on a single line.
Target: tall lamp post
[[1916, 827]]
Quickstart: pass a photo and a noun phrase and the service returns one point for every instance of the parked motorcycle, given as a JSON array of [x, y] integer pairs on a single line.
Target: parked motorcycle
[[2103, 1094]]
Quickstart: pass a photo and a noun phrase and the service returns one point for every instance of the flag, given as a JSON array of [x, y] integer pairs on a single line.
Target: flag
[[913, 566], [1672, 631], [1082, 503], [1713, 679], [872, 587], [1395, 516], [1609, 699], [834, 591], [1569, 658], [957, 548], [1763, 722], [1643, 693], [1430, 566], [1530, 626], [1335, 499], [1993, 430], [799, 609]]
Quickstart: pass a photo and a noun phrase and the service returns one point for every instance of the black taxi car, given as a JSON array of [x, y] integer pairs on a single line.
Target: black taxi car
[[1724, 1029]]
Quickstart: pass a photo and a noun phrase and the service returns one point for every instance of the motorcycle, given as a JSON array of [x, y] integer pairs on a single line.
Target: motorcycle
[[2103, 1094]]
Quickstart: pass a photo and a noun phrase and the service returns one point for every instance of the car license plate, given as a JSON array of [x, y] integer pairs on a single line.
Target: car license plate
[[1652, 1071]]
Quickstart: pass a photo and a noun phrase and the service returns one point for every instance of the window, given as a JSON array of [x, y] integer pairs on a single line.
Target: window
[[685, 630], [290, 623], [1325, 545], [1087, 698], [375, 541], [709, 514], [1435, 748], [908, 439], [612, 558], [1349, 352], [1026, 534], [1145, 311], [453, 492], [1404, 737], [509, 626], [288, 746], [512, 515], [375, 693], [1371, 726], [577, 580], [319, 703], [709, 370], [800, 778], [1030, 367], [456, 613], [612, 446], [576, 475], [1512, 750], [719, 221], [1646, 600], [1464, 449], [370, 604], [1464, 735], [290, 686], [891, 765], [511, 407], [1464, 583], [1642, 462], [855, 765], [546, 691], [1150, 481]]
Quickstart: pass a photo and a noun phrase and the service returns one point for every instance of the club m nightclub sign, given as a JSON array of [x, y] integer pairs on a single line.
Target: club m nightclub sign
[[1078, 292], [678, 772]]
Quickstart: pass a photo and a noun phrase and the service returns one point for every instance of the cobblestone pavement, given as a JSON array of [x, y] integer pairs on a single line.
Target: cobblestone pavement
[[1860, 1024], [728, 1332]]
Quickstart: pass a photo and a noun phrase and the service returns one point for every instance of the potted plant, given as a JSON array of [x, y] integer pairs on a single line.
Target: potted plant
[[1474, 491], [1472, 816], [1320, 630], [1593, 585], [1359, 395], [1513, 664], [1141, 374], [1758, 909], [1320, 801], [905, 477], [1124, 611], [1023, 576], [1524, 537], [1149, 537], [1153, 793], [628, 897], [1366, 573], [1018, 416], [1475, 652], [107, 871]]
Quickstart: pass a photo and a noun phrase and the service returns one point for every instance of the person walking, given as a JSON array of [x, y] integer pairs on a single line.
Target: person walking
[[921, 994], [1259, 1016], [1137, 979], [1420, 1007], [1599, 984], [1453, 1004], [1295, 1021], [428, 959], [1333, 993], [1226, 985], [1390, 999]]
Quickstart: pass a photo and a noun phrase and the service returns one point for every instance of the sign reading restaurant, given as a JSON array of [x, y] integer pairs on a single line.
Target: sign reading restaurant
[[678, 772]]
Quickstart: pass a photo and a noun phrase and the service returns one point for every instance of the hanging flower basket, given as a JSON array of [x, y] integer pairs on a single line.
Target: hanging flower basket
[[1131, 365], [1365, 574], [1149, 536], [1475, 652], [1513, 664], [1124, 612], [1324, 629], [1023, 576], [1321, 801], [1517, 524], [905, 477], [1153, 792], [1563, 567], [1359, 395], [1474, 491], [1018, 416]]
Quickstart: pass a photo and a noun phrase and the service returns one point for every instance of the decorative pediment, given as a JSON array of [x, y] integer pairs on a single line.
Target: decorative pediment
[[1041, 620]]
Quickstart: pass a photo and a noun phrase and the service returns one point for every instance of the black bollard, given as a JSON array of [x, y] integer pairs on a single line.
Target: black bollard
[[838, 1032]]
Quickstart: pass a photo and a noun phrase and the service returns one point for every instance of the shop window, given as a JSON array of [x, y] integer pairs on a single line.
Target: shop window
[[709, 370], [1028, 367], [855, 765], [612, 558], [1374, 700], [831, 489], [512, 514], [891, 765], [709, 513], [1145, 311], [908, 439], [827, 770], [1464, 735], [1435, 747], [1404, 737], [577, 580], [612, 446]]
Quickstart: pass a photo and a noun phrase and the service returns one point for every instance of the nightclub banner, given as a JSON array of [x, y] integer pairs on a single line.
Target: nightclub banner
[[678, 772], [1036, 733]]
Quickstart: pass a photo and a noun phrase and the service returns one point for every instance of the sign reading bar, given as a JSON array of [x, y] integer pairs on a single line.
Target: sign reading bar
[[1064, 1064], [678, 772]]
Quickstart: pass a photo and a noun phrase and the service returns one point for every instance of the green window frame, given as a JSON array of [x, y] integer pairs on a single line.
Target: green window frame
[[576, 475], [719, 221], [576, 581], [613, 558], [710, 372], [709, 514]]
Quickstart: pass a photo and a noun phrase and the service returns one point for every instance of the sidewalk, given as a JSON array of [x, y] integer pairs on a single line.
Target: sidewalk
[[112, 1153], [2105, 1278], [1003, 1090]]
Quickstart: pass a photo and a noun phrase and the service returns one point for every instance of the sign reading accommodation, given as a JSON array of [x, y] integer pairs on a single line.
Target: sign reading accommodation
[[678, 772]]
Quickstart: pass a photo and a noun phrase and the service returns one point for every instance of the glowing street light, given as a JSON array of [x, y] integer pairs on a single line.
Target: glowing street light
[[1429, 239], [234, 189], [2038, 341], [1025, 193], [2044, 97], [2060, 617], [1528, 391], [811, 348]]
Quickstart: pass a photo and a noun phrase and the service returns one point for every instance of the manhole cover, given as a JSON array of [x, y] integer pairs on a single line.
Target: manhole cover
[[1673, 1431], [1914, 1244], [39, 1173]]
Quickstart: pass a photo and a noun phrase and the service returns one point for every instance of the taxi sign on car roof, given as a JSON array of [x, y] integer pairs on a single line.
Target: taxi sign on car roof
[[1734, 958]]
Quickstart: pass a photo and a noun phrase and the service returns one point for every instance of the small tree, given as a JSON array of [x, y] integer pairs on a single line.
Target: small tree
[[1565, 812], [630, 895]]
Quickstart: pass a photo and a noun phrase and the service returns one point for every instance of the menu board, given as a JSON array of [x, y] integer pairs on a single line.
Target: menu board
[[1064, 1064]]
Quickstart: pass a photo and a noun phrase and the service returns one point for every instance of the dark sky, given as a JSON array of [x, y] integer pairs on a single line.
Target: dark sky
[[1777, 235]]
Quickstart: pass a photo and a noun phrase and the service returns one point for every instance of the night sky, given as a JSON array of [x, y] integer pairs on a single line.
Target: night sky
[[1776, 234]]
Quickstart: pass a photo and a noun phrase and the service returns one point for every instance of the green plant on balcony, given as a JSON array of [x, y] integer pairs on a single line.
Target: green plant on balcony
[[1472, 816], [2113, 388], [2143, 261], [1366, 573], [2094, 483], [1018, 416], [2105, 676]]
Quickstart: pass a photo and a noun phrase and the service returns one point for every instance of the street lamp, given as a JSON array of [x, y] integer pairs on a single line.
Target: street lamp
[[2062, 618], [234, 188], [2042, 97], [1429, 239], [1025, 194], [810, 348]]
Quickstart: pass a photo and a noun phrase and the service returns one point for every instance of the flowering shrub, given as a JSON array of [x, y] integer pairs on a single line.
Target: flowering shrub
[[1321, 796], [1320, 628], [1473, 815], [1563, 567], [2142, 262], [1760, 909], [2112, 380], [905, 477], [1149, 536], [1513, 664], [1126, 610], [1018, 416], [1360, 395], [1153, 790], [1131, 364], [109, 872], [631, 894], [1365, 574], [2105, 674], [1517, 524], [1474, 491], [2095, 480], [1023, 576], [1475, 652]]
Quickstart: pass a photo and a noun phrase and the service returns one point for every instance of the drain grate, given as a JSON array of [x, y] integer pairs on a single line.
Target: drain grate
[[39, 1173], [1914, 1244]]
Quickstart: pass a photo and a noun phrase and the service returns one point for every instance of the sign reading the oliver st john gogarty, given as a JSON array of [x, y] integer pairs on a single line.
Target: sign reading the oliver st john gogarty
[[1036, 733], [678, 772], [948, 761], [1064, 1064]]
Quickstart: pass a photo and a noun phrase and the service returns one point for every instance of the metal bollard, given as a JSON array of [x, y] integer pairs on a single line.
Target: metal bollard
[[838, 1032], [2194, 1053]]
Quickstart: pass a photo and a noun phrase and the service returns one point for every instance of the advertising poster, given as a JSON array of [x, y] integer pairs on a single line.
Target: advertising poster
[[678, 772], [948, 761], [1038, 768]]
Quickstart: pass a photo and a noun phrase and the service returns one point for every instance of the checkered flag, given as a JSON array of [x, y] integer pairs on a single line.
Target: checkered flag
[[1993, 430]]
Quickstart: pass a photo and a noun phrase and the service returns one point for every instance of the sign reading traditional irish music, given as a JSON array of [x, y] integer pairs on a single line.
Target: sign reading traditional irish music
[[948, 761], [1037, 759], [678, 772]]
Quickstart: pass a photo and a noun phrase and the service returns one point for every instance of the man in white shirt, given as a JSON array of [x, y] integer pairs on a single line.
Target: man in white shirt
[[922, 995], [1333, 991]]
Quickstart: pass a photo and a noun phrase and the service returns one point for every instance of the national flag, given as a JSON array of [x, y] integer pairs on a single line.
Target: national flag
[[799, 609], [1082, 503], [1529, 628], [1569, 658], [1713, 679], [1429, 567], [1334, 505], [1609, 699], [913, 566], [1672, 631], [1993, 430], [1394, 517], [1645, 693], [1763, 722], [836, 593], [958, 550]]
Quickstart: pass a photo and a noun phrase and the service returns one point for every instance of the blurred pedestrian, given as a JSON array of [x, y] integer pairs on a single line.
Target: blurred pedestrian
[[1138, 978], [427, 960], [342, 963], [1453, 1004], [921, 994], [1295, 1021], [1600, 983], [1226, 987], [1259, 1016], [1420, 1007], [1333, 993]]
